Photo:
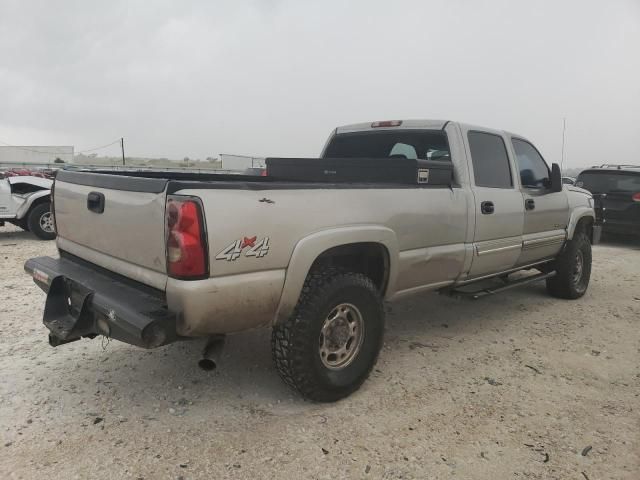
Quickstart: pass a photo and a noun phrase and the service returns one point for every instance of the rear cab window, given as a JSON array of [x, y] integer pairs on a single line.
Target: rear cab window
[[411, 144], [491, 166]]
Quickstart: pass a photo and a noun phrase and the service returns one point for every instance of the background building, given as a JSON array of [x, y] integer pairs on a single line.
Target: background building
[[41, 154]]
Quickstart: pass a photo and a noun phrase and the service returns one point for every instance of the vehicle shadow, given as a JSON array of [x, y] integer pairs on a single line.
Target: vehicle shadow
[[624, 241], [17, 234], [246, 375]]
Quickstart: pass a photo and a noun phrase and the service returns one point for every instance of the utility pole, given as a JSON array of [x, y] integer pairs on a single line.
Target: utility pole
[[564, 129]]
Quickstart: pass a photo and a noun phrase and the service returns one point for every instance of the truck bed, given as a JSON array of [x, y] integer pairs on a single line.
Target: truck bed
[[158, 180], [128, 237], [288, 173]]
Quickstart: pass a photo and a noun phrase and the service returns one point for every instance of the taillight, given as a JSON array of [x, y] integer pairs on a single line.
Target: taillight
[[186, 241], [636, 197]]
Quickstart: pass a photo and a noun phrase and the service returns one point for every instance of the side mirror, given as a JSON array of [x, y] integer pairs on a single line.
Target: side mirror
[[556, 178]]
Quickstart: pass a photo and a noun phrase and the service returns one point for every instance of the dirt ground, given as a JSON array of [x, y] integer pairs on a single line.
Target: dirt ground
[[513, 386]]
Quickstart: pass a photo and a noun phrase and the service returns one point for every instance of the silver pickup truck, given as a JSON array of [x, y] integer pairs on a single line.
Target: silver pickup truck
[[149, 258]]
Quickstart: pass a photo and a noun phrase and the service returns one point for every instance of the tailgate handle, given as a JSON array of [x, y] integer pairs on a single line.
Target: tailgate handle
[[95, 202]]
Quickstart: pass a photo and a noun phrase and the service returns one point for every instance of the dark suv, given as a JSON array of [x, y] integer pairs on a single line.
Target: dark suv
[[619, 189]]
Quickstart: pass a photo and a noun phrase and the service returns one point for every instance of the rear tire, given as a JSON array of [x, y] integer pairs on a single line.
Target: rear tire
[[573, 269], [329, 345], [40, 221]]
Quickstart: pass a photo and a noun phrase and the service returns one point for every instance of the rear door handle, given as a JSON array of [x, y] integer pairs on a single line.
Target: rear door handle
[[529, 204], [487, 208], [95, 202]]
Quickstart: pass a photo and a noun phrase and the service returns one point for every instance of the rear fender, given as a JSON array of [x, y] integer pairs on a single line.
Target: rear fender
[[29, 201], [311, 247]]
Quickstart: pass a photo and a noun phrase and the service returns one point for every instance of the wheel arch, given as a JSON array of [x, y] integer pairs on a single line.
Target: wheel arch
[[372, 250], [580, 218], [36, 198]]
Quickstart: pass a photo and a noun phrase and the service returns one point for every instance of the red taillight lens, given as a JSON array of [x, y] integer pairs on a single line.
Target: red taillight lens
[[186, 244], [636, 197]]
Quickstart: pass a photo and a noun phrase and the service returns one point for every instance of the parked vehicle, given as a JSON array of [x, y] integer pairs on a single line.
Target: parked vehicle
[[150, 258], [619, 188], [25, 202]]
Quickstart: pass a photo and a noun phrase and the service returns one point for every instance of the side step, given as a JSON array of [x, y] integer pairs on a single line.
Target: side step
[[493, 290]]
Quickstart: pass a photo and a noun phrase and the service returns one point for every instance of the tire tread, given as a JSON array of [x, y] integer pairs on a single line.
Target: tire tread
[[33, 221], [290, 336], [561, 285]]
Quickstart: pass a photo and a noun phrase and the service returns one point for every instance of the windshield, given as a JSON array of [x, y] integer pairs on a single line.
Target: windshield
[[412, 144], [607, 182]]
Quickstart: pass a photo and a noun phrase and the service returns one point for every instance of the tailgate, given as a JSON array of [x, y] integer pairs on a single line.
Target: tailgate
[[114, 221]]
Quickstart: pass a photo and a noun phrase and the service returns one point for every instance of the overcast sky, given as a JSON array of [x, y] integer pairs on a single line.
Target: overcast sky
[[273, 77]]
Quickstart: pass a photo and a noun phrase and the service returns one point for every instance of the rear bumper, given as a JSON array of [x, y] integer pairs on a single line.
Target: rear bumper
[[85, 302]]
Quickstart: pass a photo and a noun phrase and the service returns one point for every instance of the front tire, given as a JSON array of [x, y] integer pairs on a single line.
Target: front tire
[[573, 269], [329, 345], [40, 221]]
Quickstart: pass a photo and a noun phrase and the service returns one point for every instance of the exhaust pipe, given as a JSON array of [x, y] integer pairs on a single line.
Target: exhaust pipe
[[212, 352]]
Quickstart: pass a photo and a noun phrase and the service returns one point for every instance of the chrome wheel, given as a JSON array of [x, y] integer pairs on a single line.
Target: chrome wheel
[[341, 336], [46, 222], [578, 268]]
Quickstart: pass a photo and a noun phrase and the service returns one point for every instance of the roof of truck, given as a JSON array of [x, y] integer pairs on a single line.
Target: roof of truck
[[419, 124], [422, 124]]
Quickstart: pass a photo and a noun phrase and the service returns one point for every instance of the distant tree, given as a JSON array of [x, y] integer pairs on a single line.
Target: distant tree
[[58, 160], [185, 159]]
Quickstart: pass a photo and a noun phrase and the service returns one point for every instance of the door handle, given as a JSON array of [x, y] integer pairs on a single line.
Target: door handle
[[529, 204], [95, 202], [487, 208]]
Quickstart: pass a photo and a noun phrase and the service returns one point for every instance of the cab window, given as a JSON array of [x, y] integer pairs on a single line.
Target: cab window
[[411, 144], [490, 160], [534, 172]]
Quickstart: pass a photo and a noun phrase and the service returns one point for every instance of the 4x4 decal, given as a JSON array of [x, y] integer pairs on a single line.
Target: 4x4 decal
[[258, 248]]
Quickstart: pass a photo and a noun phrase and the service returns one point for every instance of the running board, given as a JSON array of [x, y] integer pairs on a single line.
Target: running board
[[493, 290]]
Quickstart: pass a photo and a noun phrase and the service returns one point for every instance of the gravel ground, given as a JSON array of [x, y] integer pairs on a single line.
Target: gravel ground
[[513, 386]]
